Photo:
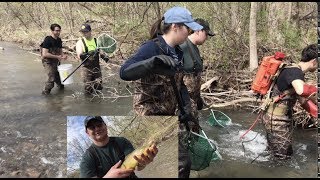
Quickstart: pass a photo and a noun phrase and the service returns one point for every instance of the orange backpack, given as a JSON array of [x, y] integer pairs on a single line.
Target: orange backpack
[[267, 72]]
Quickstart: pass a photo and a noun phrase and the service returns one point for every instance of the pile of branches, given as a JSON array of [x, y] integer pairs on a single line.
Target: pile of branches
[[228, 89], [232, 90]]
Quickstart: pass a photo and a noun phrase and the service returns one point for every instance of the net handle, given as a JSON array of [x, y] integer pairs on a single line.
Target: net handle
[[216, 151]]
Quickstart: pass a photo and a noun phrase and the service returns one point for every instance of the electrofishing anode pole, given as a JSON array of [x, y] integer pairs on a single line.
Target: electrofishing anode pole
[[97, 50], [179, 99]]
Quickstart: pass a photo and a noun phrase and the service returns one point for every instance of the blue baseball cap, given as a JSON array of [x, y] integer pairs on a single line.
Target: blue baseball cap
[[181, 15]]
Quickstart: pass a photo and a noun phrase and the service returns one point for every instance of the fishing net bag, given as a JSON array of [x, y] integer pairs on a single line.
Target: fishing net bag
[[106, 43], [201, 151], [218, 118]]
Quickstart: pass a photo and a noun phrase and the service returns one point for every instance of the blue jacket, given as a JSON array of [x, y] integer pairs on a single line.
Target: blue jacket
[[150, 49]]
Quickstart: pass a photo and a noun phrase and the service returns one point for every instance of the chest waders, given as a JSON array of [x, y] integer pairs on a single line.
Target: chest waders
[[182, 117], [84, 61], [278, 122]]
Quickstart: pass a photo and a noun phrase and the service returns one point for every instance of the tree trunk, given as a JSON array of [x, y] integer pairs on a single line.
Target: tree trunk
[[234, 16], [70, 6], [289, 11], [298, 18], [253, 36], [274, 20]]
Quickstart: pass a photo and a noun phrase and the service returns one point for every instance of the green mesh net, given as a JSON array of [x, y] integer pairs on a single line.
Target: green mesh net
[[218, 118], [106, 43], [202, 151]]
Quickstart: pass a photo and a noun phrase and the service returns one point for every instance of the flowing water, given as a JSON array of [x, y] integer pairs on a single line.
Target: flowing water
[[33, 135], [249, 158]]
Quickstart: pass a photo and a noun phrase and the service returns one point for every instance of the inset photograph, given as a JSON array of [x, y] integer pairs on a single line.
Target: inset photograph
[[122, 146]]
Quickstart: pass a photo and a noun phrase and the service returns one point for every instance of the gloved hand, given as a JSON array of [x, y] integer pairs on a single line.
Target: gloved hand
[[200, 103], [164, 60], [186, 117], [164, 65], [195, 127], [83, 56], [104, 57], [311, 108], [160, 64]]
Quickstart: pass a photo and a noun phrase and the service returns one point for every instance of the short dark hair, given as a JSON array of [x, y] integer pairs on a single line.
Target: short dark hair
[[53, 26], [310, 52]]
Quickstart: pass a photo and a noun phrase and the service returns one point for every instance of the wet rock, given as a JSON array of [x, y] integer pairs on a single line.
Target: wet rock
[[15, 173], [31, 172], [28, 146]]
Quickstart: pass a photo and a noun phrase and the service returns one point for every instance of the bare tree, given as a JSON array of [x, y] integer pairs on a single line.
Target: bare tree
[[253, 36], [234, 16], [274, 20]]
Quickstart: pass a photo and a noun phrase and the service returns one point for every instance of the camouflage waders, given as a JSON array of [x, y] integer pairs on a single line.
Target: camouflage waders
[[193, 83], [154, 95], [184, 162], [278, 123]]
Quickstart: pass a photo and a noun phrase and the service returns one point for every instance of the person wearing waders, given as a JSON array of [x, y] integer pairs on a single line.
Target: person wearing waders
[[193, 67], [290, 86], [51, 55], [87, 50], [156, 71], [105, 155]]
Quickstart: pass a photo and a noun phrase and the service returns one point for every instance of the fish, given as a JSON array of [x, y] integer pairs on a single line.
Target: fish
[[155, 139]]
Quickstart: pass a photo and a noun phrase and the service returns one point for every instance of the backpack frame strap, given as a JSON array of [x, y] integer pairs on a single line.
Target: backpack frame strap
[[274, 78]]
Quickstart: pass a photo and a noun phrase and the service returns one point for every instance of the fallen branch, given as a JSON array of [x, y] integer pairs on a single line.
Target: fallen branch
[[207, 84], [234, 102]]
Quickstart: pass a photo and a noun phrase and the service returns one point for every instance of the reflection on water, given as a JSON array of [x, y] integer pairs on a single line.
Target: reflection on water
[[250, 158], [33, 140]]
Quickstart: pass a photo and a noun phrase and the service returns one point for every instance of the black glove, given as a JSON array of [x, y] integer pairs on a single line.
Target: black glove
[[164, 60], [84, 56], [200, 103], [195, 127], [164, 65], [160, 64], [104, 57]]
